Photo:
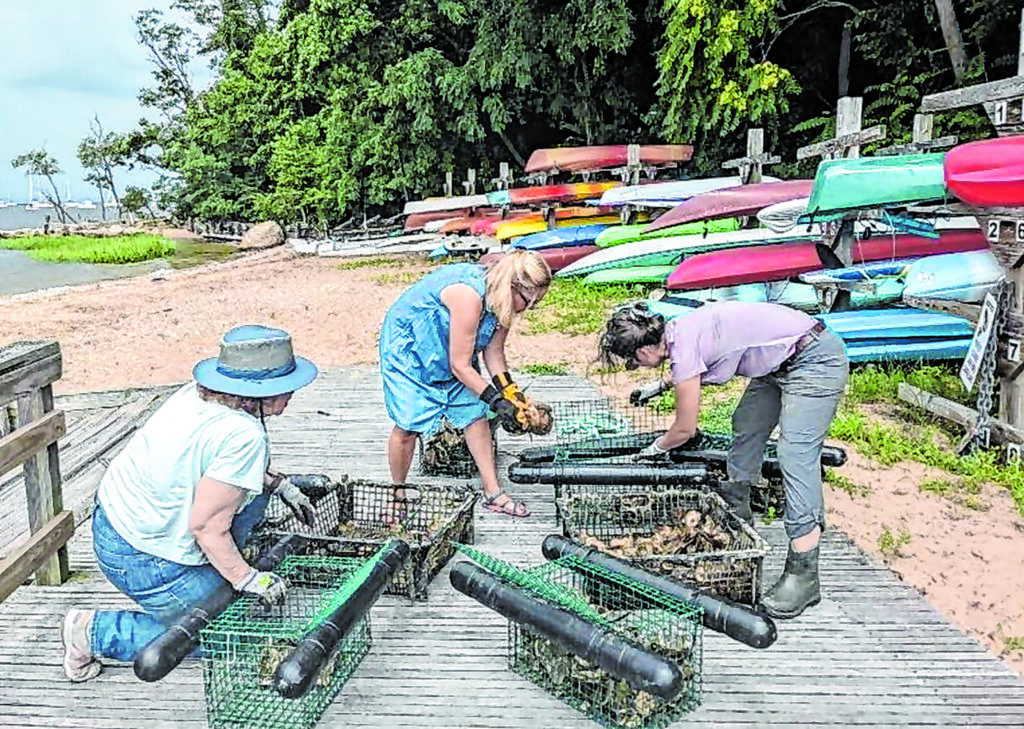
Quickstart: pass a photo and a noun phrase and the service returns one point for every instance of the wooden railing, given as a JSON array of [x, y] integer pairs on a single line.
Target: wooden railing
[[27, 371]]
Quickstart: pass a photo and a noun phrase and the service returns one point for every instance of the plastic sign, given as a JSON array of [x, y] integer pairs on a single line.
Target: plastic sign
[[1020, 231], [982, 333], [999, 113], [1013, 453], [1013, 350], [992, 230]]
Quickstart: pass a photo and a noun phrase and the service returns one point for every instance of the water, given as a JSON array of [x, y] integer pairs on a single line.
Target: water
[[20, 274]]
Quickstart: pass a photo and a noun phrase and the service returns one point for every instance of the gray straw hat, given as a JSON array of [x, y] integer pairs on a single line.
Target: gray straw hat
[[255, 361]]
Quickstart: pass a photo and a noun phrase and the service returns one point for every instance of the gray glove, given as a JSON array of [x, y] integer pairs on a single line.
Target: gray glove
[[297, 501], [268, 586], [653, 452]]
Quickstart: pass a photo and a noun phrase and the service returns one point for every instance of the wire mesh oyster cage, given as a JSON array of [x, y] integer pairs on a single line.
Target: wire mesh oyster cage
[[619, 651], [444, 452], [357, 516], [688, 535], [243, 648]]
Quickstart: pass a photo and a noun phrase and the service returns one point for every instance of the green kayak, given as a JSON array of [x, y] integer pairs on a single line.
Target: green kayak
[[614, 235], [874, 182], [635, 274]]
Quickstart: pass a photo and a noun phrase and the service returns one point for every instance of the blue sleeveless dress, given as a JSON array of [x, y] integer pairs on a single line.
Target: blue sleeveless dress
[[419, 387]]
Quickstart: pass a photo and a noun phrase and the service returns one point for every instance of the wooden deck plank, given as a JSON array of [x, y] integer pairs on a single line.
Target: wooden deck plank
[[874, 653]]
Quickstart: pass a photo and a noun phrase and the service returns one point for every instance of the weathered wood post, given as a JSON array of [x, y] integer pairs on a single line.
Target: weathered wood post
[[849, 137], [1003, 101], [750, 166], [922, 140], [27, 371], [470, 184], [449, 183]]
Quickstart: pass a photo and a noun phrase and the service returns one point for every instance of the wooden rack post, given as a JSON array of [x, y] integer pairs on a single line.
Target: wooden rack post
[[1003, 101], [849, 137], [750, 166], [27, 371], [922, 140]]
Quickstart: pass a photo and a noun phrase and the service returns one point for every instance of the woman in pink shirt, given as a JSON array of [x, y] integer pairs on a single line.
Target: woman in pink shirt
[[797, 370]]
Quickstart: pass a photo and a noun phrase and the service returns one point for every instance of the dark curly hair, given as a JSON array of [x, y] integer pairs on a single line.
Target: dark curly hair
[[630, 327]]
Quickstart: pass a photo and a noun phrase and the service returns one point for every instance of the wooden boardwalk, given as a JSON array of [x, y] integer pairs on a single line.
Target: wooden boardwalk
[[873, 654]]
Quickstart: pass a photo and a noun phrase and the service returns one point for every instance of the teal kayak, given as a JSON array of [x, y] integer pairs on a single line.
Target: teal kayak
[[788, 293], [616, 234], [875, 182]]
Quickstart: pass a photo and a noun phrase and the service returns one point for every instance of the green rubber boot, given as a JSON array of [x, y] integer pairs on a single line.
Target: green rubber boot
[[736, 495], [797, 589]]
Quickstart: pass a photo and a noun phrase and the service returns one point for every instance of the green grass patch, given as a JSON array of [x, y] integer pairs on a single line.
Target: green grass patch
[[845, 484], [1013, 643], [374, 262], [891, 545], [391, 279], [572, 308], [543, 368], [83, 249], [879, 383]]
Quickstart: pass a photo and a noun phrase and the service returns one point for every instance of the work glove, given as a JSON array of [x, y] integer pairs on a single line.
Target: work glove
[[505, 410], [292, 496], [313, 485], [645, 393], [515, 395], [269, 587], [653, 452]]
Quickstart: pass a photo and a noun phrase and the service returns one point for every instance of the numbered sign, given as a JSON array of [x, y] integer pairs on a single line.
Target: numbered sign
[[999, 113], [1020, 231], [1013, 350], [1013, 453], [992, 230]]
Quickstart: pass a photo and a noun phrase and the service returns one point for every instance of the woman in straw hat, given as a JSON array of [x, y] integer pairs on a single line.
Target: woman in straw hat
[[176, 503], [429, 344]]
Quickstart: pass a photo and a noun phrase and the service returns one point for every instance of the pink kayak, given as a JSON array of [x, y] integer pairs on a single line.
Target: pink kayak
[[556, 258], [732, 202], [989, 173], [558, 193], [586, 159], [756, 264], [416, 221]]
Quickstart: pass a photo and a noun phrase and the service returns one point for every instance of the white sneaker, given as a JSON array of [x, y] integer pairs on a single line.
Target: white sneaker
[[79, 662]]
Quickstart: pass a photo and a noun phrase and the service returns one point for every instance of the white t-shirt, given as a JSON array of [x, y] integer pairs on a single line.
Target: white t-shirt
[[148, 490]]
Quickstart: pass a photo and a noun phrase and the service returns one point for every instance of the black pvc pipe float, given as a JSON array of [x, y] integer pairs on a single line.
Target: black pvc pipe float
[[163, 654], [748, 625], [641, 669], [645, 393], [626, 474], [297, 672]]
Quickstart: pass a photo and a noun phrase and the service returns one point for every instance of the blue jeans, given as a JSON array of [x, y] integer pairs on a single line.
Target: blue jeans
[[166, 590]]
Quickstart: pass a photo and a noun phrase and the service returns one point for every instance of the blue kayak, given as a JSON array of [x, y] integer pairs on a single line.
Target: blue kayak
[[576, 235]]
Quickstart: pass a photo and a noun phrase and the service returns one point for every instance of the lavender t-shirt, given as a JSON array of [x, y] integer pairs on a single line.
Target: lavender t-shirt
[[720, 340]]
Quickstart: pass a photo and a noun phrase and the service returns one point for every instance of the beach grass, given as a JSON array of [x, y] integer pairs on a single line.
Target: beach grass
[[83, 249]]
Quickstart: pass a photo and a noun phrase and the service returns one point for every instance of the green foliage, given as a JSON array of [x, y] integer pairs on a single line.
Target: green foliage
[[81, 249], [543, 368], [891, 545], [375, 262], [879, 383], [843, 483], [571, 307], [135, 199]]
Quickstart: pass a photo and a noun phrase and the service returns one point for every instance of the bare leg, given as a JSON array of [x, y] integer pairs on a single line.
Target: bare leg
[[808, 541], [478, 438], [401, 447]]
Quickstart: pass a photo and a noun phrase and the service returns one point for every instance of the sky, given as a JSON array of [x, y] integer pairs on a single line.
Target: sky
[[61, 63]]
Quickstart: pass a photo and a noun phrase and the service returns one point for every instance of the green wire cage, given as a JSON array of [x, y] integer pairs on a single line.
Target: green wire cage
[[242, 648], [633, 616], [358, 516], [688, 535]]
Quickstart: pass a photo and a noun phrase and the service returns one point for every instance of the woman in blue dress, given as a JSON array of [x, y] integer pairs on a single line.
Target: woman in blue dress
[[429, 344]]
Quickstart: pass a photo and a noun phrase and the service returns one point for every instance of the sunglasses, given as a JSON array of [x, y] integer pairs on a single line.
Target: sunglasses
[[528, 303]]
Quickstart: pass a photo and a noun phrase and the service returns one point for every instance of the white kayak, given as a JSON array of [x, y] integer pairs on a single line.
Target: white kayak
[[440, 204], [782, 217], [667, 194], [963, 277]]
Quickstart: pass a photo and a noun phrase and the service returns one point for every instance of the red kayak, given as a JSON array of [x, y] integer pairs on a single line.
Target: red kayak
[[416, 221], [590, 159], [558, 193], [732, 202], [989, 173], [556, 258], [757, 264], [486, 225]]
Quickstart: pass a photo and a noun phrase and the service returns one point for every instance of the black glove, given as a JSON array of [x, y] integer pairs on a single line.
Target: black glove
[[647, 392], [313, 485], [296, 500], [502, 407]]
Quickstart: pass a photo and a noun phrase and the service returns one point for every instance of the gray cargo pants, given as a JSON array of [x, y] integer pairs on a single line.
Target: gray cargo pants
[[800, 397]]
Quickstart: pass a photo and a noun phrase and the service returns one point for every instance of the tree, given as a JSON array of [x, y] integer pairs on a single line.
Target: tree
[[954, 40], [136, 200], [100, 153], [40, 162]]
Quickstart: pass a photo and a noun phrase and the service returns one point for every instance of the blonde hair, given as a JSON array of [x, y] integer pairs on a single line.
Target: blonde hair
[[520, 269]]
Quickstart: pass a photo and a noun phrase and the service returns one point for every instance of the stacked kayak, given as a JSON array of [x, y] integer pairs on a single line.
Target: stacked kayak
[[670, 250], [568, 193], [780, 261], [441, 204], [989, 173], [556, 258], [576, 235], [665, 194], [618, 234], [732, 201], [873, 335], [963, 277], [783, 216], [590, 159], [875, 182]]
